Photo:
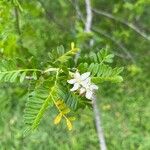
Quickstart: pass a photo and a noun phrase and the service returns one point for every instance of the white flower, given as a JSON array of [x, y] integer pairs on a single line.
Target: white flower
[[78, 80], [86, 82], [82, 90], [90, 90], [83, 84]]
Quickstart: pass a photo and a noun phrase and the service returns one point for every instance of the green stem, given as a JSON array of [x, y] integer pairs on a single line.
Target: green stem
[[22, 70]]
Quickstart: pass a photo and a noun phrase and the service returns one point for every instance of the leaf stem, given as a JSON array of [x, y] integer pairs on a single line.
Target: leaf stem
[[57, 73], [21, 70], [50, 70]]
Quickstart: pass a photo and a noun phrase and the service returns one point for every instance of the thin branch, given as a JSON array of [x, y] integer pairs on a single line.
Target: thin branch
[[88, 25], [115, 42], [50, 17], [78, 12], [130, 25], [17, 20], [88, 22], [80, 16], [89, 17], [18, 28], [98, 125]]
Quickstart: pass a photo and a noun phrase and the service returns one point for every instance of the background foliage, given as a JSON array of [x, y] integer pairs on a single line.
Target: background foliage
[[34, 28]]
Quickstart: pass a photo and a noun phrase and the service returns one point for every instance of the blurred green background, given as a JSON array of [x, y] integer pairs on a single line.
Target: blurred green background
[[33, 28]]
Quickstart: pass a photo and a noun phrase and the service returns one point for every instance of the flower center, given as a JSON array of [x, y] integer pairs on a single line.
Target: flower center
[[79, 81]]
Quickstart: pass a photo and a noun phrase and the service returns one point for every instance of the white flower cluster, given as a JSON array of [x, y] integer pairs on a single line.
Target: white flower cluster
[[82, 83]]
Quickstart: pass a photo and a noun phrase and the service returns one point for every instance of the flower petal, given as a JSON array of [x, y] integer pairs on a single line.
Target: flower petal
[[82, 90], [85, 75], [77, 75], [86, 83], [72, 81], [75, 87], [89, 94], [94, 87]]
